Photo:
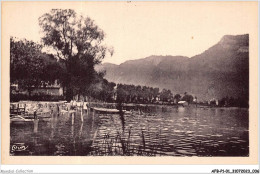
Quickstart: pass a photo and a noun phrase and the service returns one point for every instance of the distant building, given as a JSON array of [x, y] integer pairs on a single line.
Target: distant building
[[55, 89], [157, 98], [213, 102]]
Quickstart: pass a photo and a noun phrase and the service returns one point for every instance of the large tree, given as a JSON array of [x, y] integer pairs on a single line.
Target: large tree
[[78, 41]]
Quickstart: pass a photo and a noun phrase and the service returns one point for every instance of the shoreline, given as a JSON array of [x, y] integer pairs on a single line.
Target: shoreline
[[114, 105]]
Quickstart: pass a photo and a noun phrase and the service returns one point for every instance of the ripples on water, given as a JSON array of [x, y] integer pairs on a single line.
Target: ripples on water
[[157, 132]]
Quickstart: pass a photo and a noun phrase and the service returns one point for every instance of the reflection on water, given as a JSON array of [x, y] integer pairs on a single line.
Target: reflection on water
[[158, 131]]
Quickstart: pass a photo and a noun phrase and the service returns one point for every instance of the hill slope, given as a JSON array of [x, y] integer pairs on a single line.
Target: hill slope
[[222, 70]]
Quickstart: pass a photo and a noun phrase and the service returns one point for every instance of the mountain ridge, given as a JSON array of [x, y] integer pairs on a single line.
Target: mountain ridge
[[222, 70]]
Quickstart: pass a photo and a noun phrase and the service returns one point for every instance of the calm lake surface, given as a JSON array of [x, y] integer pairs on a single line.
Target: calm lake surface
[[154, 131]]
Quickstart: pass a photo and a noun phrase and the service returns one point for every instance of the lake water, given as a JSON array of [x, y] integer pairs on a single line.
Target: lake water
[[153, 131]]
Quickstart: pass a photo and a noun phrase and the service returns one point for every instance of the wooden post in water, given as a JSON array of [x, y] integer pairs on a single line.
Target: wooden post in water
[[81, 115], [52, 121], [143, 139], [88, 109], [52, 129], [72, 130], [35, 125], [52, 125], [80, 130], [58, 109], [72, 118], [93, 115]]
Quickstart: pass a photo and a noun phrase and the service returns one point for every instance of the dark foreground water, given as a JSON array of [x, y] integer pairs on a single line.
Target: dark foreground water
[[157, 131]]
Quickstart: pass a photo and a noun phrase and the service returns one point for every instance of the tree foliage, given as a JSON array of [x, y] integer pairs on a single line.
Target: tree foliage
[[78, 41], [29, 66], [233, 102], [136, 94], [70, 34], [166, 95], [177, 97], [101, 89], [187, 97]]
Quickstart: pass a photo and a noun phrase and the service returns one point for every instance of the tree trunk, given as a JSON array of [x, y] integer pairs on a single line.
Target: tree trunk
[[69, 90], [69, 93], [29, 91]]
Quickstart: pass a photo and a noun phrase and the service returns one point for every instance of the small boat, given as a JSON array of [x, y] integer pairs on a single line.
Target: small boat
[[105, 110], [183, 103], [20, 119]]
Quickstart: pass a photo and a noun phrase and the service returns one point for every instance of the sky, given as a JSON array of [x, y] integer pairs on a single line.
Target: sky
[[141, 29]]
